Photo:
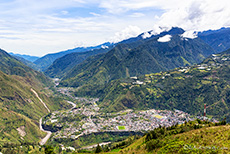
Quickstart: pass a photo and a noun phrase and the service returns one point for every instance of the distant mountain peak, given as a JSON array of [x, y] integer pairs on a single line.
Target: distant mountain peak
[[162, 31], [176, 30], [189, 34], [148, 34]]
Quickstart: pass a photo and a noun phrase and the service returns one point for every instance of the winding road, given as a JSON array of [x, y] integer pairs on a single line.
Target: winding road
[[36, 94], [74, 105], [49, 133]]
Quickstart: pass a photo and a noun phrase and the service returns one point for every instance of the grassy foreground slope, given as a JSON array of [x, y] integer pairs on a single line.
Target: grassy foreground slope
[[191, 137]]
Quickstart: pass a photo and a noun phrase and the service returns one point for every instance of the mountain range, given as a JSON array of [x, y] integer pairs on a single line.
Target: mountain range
[[142, 56], [44, 62], [26, 62], [65, 65], [26, 57]]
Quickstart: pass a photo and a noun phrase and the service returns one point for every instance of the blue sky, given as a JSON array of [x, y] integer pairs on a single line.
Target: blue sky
[[38, 27]]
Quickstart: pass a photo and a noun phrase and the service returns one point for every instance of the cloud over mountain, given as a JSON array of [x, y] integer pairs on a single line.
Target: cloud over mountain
[[197, 15]]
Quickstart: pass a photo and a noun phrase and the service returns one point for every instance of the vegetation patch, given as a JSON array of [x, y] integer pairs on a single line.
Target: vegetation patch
[[121, 127], [158, 116]]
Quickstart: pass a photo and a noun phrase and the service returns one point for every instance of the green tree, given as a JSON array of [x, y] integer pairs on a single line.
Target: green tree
[[49, 150], [98, 149]]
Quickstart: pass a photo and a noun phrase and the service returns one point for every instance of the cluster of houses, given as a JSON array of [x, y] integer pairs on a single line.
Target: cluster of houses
[[128, 120]]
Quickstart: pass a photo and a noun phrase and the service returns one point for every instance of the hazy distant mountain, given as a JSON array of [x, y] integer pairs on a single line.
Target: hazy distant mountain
[[12, 66], [151, 54], [63, 65], [27, 62], [26, 57], [44, 62], [219, 40]]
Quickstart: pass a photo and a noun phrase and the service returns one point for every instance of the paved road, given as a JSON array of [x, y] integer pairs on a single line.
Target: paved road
[[74, 105], [36, 94], [46, 138], [49, 133]]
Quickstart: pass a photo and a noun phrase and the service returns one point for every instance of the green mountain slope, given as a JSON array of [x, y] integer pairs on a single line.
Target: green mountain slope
[[20, 109], [27, 62], [63, 65], [186, 89], [140, 57], [12, 66]]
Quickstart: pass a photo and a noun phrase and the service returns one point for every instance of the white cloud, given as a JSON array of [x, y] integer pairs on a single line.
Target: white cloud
[[190, 14], [198, 15], [64, 12], [165, 38], [146, 35], [128, 32], [38, 27], [137, 15], [189, 34], [121, 6], [95, 14]]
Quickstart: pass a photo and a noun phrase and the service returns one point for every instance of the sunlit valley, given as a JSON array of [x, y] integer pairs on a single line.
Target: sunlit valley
[[158, 89]]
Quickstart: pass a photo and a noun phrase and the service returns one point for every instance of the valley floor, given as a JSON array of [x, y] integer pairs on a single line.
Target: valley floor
[[85, 118]]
